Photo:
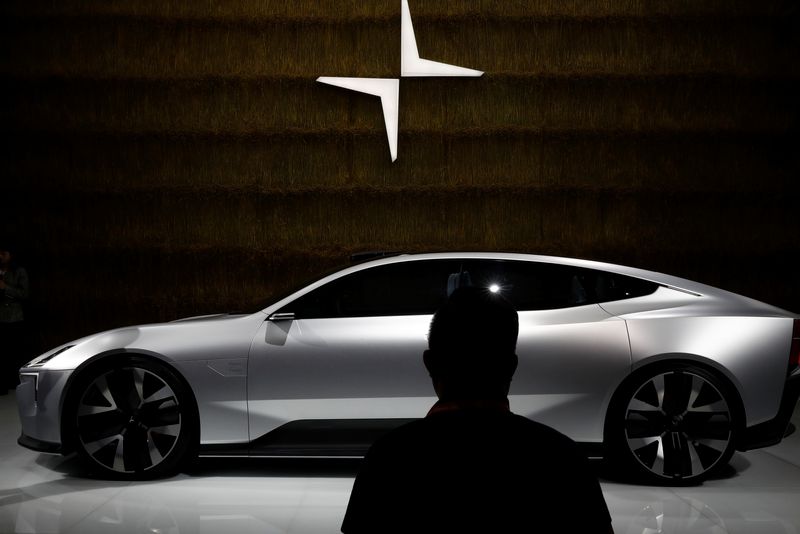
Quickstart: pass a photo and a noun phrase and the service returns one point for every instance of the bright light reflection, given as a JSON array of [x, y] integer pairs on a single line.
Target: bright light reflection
[[494, 288]]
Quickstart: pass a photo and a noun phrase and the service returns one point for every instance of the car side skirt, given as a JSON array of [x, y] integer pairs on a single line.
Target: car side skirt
[[328, 438]]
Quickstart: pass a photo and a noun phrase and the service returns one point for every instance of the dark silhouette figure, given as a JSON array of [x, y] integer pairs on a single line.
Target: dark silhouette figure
[[13, 292], [471, 465]]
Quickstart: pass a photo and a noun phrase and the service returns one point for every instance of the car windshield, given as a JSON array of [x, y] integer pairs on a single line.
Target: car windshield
[[284, 291]]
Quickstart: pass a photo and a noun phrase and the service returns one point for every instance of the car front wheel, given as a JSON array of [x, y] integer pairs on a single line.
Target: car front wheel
[[675, 425], [133, 420]]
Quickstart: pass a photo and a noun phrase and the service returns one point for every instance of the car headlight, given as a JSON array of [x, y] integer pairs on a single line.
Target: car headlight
[[46, 357]]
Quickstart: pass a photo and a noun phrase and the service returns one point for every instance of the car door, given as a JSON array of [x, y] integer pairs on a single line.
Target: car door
[[572, 353], [337, 366]]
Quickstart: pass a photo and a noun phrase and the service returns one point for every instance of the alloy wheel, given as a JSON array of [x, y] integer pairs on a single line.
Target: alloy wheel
[[678, 425], [129, 420]]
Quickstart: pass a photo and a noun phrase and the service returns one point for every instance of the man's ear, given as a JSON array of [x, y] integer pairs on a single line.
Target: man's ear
[[429, 359]]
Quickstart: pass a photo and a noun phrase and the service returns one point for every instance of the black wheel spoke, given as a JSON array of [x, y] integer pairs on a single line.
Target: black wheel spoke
[[711, 425], [677, 389], [677, 457], [166, 416], [135, 443], [120, 384], [641, 424], [101, 425]]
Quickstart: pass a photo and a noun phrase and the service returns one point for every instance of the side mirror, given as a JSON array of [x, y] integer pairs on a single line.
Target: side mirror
[[278, 327]]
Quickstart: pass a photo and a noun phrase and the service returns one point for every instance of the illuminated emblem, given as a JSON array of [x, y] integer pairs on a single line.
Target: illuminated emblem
[[388, 89]]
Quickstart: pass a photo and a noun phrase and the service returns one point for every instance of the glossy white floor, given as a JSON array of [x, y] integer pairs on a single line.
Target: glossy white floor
[[45, 494]]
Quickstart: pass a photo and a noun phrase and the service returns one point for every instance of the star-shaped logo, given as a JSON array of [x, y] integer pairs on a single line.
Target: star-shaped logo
[[388, 89]]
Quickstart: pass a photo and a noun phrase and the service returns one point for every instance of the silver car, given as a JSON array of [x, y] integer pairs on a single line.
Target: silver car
[[665, 375]]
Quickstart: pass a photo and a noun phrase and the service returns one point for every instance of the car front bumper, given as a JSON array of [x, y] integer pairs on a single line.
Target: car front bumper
[[39, 401], [772, 431]]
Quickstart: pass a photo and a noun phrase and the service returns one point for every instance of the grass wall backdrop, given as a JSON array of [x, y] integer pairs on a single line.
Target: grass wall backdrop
[[168, 157]]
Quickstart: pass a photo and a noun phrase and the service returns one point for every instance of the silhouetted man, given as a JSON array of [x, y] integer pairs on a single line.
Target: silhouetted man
[[471, 465]]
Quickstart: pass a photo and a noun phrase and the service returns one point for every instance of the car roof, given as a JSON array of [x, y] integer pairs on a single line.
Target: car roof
[[681, 284], [659, 278]]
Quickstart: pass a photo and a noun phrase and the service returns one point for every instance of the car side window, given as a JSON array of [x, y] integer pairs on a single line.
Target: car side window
[[546, 286], [531, 285], [405, 288], [609, 286]]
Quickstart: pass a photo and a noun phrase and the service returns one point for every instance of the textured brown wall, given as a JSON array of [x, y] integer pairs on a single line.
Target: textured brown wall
[[172, 157]]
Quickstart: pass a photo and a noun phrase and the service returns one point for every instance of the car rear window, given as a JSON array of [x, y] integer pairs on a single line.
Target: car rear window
[[544, 286]]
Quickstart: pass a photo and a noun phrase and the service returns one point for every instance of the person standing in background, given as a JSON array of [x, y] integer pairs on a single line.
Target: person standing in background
[[13, 292]]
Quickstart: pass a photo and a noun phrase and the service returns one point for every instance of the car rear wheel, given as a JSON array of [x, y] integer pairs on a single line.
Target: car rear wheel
[[675, 425], [133, 420]]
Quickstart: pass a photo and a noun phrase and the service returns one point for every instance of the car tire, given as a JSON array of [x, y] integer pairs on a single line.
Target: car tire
[[673, 425], [134, 419]]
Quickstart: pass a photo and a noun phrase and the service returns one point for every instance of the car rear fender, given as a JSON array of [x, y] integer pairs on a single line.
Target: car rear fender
[[751, 353], [664, 362]]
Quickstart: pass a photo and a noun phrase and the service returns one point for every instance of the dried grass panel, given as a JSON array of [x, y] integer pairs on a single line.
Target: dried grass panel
[[219, 106], [661, 162], [89, 162], [207, 279], [134, 48], [246, 10], [696, 103], [236, 107], [569, 220], [537, 160], [765, 276], [714, 162], [628, 46], [96, 289], [130, 48]]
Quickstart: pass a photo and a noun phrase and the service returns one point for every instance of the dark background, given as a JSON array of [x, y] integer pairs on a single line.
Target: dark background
[[164, 158]]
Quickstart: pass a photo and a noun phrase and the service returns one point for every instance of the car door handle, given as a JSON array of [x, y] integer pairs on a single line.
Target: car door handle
[[286, 316]]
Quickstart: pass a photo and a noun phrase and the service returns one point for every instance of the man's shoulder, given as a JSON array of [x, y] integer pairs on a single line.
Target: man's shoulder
[[411, 431], [535, 428]]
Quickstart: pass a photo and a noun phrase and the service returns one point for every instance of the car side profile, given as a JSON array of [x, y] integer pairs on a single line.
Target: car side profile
[[667, 376]]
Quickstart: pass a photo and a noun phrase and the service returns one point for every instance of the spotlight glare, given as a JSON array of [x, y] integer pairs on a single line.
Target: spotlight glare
[[494, 288]]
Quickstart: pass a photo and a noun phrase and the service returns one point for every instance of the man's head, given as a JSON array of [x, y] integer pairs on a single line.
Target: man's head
[[5, 252], [472, 343]]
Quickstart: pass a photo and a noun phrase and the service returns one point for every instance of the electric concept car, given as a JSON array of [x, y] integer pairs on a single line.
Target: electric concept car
[[666, 375]]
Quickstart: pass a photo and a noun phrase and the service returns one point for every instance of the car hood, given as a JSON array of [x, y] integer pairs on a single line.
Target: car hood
[[194, 338], [211, 317]]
